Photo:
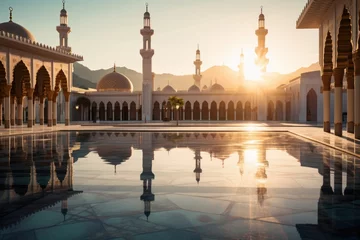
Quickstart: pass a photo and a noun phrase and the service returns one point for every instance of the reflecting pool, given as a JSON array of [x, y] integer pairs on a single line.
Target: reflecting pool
[[115, 185]]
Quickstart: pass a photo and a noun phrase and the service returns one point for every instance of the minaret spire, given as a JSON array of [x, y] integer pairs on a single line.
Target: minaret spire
[[11, 10], [197, 76], [63, 30], [63, 4], [241, 68], [114, 67]]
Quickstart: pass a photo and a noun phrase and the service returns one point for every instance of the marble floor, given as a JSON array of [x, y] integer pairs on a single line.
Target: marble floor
[[107, 184]]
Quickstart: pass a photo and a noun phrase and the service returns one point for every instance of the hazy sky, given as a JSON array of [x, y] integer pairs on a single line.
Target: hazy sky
[[108, 31]]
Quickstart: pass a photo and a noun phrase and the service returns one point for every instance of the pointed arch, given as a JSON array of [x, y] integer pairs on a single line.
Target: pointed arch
[[102, 111], [156, 111], [21, 81], [43, 84], [187, 110], [247, 113], [169, 112], [213, 111], [205, 111], [239, 111], [311, 106], [109, 112], [196, 111], [328, 62], [222, 111], [270, 111], [125, 111], [61, 82], [279, 111], [117, 111], [344, 45], [3, 81], [133, 111], [230, 111], [93, 111], [163, 111]]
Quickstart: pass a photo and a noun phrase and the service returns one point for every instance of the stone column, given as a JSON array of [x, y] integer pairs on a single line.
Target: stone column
[[67, 108], [54, 109], [7, 105], [20, 110], [30, 93], [12, 110], [326, 79], [356, 59], [41, 110], [49, 108], [1, 106], [350, 101], [339, 77]]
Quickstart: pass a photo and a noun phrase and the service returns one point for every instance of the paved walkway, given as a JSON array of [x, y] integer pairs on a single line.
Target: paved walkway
[[308, 131]]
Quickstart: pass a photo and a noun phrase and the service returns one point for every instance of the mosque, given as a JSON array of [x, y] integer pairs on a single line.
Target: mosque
[[36, 87]]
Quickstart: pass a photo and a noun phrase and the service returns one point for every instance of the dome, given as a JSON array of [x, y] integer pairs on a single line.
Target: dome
[[168, 89], [63, 12], [217, 88], [261, 17], [204, 88], [194, 88], [114, 82], [16, 29], [146, 15]]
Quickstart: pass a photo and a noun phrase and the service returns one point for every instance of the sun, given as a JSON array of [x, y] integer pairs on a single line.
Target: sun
[[251, 71]]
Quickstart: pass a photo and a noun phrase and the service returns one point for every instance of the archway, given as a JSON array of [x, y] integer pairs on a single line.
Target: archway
[[109, 112], [247, 113], [239, 111], [133, 111], [279, 111], [270, 111], [156, 111], [94, 111], [169, 112], [125, 112], [82, 109], [205, 111], [42, 87], [311, 106], [288, 111], [196, 111], [187, 110], [213, 111], [102, 111], [117, 114], [163, 111], [181, 113], [230, 111], [222, 111]]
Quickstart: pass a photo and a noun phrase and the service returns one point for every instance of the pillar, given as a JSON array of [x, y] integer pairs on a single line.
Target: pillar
[[50, 97], [67, 108], [339, 77], [54, 109], [350, 101], [30, 93], [1, 106], [356, 59], [326, 79], [41, 110], [7, 106], [12, 111], [20, 110]]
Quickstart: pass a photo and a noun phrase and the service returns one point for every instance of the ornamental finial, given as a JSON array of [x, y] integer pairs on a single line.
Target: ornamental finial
[[11, 9], [114, 67], [63, 1], [261, 9], [147, 5]]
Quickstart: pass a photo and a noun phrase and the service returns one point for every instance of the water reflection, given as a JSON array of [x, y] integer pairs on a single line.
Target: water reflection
[[36, 172]]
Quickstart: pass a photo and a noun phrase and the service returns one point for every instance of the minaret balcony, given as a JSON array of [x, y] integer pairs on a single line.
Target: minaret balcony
[[197, 62], [147, 53], [147, 31], [63, 29], [261, 31]]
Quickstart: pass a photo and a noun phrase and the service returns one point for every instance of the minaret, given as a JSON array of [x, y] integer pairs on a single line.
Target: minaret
[[63, 30], [198, 169], [241, 68], [197, 76], [147, 54], [147, 175], [261, 50]]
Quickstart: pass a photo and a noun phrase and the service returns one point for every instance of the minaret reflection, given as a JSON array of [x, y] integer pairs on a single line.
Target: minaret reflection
[[260, 175], [240, 163], [198, 169], [147, 175]]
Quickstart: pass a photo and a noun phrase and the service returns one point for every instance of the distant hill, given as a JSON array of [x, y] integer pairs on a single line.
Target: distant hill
[[86, 78]]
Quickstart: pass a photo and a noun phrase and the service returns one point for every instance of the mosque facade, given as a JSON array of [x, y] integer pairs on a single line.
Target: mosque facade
[[36, 87]]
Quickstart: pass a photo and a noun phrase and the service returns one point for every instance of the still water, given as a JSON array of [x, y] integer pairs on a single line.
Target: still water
[[112, 185]]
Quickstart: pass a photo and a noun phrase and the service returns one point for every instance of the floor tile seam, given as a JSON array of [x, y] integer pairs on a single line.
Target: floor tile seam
[[326, 144]]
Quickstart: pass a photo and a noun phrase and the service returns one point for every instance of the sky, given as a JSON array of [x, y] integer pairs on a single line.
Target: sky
[[108, 31]]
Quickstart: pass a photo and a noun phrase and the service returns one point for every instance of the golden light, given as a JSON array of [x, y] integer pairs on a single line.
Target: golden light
[[251, 156], [251, 71]]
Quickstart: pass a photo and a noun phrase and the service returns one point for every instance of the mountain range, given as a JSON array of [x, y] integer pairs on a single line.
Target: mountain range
[[85, 78]]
